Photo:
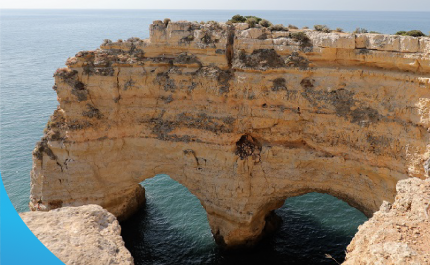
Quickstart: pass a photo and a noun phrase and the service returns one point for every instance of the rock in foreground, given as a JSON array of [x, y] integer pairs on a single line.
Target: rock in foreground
[[397, 234], [80, 235]]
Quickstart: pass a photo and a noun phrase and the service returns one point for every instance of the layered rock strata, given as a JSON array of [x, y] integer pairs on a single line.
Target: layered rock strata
[[80, 235], [242, 117], [397, 233]]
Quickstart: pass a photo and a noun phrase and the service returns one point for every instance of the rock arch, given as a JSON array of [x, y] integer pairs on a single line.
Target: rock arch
[[244, 118]]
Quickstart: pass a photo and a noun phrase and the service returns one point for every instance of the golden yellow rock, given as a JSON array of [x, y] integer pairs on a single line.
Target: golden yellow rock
[[244, 118]]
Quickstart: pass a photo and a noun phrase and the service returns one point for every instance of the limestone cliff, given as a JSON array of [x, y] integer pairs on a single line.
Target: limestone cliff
[[80, 235], [243, 117], [397, 233]]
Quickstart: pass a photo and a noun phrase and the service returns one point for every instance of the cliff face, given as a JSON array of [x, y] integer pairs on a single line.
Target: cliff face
[[80, 235], [397, 233], [244, 118]]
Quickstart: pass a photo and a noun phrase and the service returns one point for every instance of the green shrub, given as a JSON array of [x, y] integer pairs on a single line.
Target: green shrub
[[338, 30], [238, 19], [305, 27], [360, 30], [374, 32], [300, 36], [322, 28], [256, 18], [251, 22], [265, 23], [278, 27], [413, 33], [292, 27], [247, 19]]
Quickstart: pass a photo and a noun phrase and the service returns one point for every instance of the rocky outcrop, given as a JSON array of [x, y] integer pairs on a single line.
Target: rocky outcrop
[[243, 117], [397, 233], [80, 235]]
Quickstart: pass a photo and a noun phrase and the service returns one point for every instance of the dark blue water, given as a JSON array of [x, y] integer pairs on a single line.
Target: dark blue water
[[173, 229], [34, 43]]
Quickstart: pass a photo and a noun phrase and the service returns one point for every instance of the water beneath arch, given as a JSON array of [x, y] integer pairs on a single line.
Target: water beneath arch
[[173, 229]]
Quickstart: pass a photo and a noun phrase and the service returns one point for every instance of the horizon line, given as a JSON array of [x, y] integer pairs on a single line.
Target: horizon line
[[210, 9]]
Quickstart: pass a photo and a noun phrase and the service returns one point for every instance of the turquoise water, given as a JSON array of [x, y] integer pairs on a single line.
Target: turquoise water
[[34, 43]]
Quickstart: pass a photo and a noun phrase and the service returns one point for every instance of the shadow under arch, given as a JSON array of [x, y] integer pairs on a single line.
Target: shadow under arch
[[172, 228], [315, 224]]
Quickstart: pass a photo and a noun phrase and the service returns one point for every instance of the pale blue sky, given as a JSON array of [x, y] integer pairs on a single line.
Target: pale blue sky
[[367, 5]]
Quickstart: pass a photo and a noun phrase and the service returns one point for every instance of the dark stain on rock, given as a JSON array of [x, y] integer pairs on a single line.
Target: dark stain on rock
[[192, 86], [164, 80], [263, 36], [362, 51], [248, 146], [279, 84], [78, 125], [205, 122], [224, 77], [55, 126], [185, 58], [71, 78], [41, 148], [129, 84], [220, 51], [307, 83], [81, 95], [365, 114], [167, 99], [295, 60], [206, 39], [92, 112], [379, 140], [162, 128], [342, 100], [100, 71], [187, 39], [229, 54], [54, 204], [117, 99], [261, 59], [67, 75], [182, 138]]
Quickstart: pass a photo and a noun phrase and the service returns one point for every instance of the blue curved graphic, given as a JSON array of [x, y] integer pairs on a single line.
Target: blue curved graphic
[[18, 245]]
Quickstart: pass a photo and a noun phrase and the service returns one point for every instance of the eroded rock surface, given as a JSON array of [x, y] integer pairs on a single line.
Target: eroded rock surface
[[80, 235], [397, 233], [244, 118]]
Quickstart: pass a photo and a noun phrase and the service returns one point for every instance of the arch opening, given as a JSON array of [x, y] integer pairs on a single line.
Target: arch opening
[[172, 227], [313, 225]]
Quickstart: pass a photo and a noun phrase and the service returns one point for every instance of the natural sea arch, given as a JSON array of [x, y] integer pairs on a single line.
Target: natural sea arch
[[172, 227], [245, 214], [243, 118]]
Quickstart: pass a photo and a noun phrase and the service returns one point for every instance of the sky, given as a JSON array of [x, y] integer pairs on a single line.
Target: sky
[[359, 5]]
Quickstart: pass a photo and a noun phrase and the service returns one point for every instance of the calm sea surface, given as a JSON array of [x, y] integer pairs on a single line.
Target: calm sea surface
[[171, 229]]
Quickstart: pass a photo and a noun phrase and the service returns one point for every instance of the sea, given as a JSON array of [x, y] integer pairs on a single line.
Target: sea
[[172, 227]]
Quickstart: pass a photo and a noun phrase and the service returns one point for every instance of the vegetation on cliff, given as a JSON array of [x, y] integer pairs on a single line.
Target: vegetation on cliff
[[254, 21]]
